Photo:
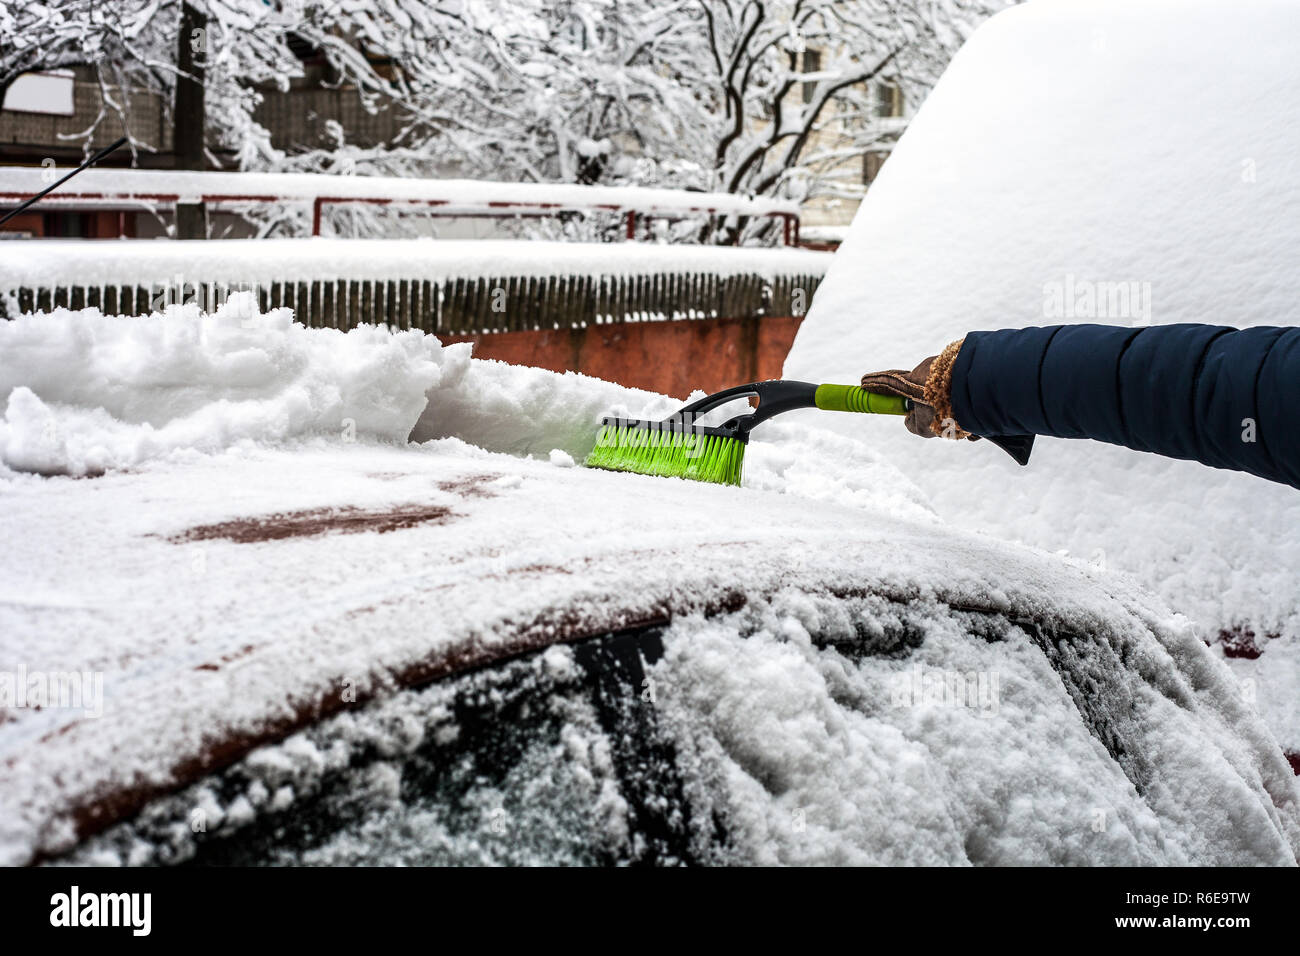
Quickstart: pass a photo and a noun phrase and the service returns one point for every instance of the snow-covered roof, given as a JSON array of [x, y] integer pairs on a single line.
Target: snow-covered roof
[[144, 261], [1081, 142], [207, 579], [108, 186]]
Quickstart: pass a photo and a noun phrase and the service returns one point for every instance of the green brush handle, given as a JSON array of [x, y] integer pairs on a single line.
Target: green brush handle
[[853, 398]]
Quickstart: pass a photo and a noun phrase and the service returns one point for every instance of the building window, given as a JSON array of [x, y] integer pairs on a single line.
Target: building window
[[51, 92], [812, 63], [889, 101]]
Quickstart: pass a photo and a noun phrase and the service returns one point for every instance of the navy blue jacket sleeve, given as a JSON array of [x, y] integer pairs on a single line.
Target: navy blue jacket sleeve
[[1229, 398]]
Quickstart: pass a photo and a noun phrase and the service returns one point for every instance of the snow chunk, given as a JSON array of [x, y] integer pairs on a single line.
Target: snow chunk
[[84, 392]]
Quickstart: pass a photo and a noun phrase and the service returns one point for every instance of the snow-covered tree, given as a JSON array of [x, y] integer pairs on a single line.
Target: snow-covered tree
[[797, 86], [384, 50], [127, 44], [789, 70], [774, 97], [777, 97]]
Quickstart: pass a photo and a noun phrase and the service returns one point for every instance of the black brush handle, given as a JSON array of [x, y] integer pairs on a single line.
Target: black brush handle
[[774, 397]]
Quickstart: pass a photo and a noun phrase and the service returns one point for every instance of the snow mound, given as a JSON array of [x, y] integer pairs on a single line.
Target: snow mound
[[85, 392], [1073, 149]]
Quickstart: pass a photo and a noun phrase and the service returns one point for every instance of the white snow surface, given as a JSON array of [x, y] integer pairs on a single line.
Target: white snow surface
[[1082, 142], [170, 263], [194, 421]]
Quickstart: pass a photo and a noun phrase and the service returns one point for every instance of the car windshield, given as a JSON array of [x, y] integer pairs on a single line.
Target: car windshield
[[801, 729]]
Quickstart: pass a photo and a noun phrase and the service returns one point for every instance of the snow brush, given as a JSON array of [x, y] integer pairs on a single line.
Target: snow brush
[[677, 447]]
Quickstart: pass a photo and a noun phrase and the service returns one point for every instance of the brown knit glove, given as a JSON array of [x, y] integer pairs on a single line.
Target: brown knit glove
[[929, 386]]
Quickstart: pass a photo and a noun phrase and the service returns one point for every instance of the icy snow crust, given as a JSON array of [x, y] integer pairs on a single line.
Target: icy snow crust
[[1081, 142], [206, 428]]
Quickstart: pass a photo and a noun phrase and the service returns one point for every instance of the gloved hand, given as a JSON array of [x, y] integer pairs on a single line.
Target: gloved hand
[[929, 386]]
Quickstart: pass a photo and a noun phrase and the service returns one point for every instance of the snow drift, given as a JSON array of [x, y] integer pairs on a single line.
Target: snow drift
[[1076, 163], [84, 393]]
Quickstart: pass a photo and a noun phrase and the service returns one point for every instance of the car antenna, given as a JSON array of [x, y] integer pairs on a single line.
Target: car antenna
[[53, 186]]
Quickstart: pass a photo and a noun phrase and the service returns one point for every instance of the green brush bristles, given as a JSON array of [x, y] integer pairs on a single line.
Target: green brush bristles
[[668, 453]]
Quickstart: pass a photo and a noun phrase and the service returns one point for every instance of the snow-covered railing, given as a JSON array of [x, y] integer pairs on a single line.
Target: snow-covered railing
[[110, 189], [450, 287]]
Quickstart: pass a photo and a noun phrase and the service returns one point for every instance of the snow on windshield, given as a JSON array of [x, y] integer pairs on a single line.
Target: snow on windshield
[[866, 731], [1072, 165], [803, 729]]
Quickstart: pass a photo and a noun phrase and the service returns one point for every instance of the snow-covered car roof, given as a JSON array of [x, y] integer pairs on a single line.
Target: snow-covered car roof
[[257, 546]]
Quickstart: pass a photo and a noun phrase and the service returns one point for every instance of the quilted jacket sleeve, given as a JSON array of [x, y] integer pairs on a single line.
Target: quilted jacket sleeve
[[1229, 398]]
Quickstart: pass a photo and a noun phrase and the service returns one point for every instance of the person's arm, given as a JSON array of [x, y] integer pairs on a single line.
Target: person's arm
[[1229, 398]]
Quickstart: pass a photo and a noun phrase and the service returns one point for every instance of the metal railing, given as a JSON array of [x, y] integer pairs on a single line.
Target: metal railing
[[136, 189]]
